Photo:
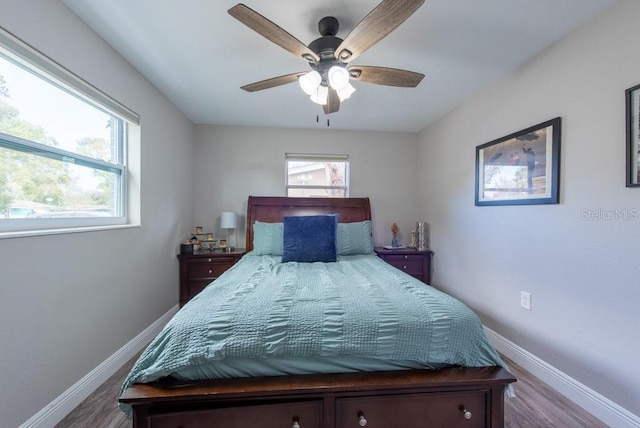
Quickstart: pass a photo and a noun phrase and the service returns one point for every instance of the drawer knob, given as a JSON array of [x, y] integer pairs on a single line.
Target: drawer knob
[[296, 424], [405, 257], [467, 414], [209, 260], [210, 271], [404, 267], [362, 421]]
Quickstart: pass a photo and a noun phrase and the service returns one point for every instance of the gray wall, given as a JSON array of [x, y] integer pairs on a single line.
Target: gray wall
[[235, 162], [68, 302], [584, 275]]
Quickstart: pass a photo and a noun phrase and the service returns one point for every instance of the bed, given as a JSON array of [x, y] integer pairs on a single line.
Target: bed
[[311, 360]]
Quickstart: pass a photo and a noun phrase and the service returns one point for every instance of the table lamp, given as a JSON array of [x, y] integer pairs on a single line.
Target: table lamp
[[229, 221]]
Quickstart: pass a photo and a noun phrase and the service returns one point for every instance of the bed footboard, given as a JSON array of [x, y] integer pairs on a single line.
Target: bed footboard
[[452, 397]]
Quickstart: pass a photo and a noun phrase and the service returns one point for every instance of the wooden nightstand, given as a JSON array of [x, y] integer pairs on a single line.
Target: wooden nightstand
[[415, 263], [198, 270]]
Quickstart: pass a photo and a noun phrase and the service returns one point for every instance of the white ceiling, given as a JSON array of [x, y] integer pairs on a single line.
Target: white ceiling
[[199, 56]]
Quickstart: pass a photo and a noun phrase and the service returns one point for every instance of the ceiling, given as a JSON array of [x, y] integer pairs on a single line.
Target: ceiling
[[199, 56]]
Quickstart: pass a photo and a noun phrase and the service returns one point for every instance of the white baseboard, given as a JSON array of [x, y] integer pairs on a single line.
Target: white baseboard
[[601, 407], [55, 411]]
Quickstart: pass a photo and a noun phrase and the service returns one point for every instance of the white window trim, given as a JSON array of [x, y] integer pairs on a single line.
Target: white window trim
[[30, 58], [27, 56]]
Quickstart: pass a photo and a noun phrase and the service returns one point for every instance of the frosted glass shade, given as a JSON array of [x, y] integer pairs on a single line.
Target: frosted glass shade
[[228, 220], [338, 77], [320, 95], [346, 91], [309, 82]]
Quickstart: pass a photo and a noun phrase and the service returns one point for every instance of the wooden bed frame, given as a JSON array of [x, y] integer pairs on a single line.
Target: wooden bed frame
[[448, 398]]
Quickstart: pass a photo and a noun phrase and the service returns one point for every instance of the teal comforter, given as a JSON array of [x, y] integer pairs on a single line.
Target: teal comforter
[[267, 317]]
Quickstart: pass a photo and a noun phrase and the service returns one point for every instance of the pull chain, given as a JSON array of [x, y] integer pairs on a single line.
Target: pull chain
[[318, 121]]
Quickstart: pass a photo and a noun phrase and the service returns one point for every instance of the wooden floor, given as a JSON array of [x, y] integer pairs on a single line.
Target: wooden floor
[[535, 405]]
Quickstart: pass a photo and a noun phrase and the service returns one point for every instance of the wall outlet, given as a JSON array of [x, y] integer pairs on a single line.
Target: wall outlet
[[525, 300]]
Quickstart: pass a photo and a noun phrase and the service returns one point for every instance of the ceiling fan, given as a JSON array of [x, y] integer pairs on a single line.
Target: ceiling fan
[[328, 82]]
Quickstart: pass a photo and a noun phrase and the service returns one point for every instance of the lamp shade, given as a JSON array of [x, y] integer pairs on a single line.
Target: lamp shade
[[320, 95], [338, 77], [309, 82], [345, 92], [228, 220]]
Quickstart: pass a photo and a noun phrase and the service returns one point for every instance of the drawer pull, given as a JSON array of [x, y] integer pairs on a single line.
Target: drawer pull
[[406, 257], [296, 424], [467, 414], [362, 421], [404, 267], [209, 260], [210, 271]]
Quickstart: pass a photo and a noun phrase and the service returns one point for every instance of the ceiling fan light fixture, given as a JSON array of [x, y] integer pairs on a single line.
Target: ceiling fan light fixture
[[345, 92], [309, 82], [320, 95], [338, 77]]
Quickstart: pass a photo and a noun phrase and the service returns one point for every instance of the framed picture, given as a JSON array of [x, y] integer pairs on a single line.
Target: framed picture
[[632, 96], [520, 169]]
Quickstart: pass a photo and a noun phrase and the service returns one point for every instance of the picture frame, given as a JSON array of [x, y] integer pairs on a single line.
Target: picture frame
[[522, 168], [632, 102]]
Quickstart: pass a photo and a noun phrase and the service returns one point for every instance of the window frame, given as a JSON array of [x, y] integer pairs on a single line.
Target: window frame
[[302, 157], [128, 130]]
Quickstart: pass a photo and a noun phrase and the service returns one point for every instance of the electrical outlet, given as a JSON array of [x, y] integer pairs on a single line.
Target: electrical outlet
[[525, 300]]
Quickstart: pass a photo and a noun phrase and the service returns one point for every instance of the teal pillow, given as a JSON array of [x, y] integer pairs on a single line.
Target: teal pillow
[[309, 239], [268, 238], [354, 238]]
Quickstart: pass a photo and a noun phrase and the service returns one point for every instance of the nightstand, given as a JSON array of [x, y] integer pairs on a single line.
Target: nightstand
[[198, 270], [415, 263]]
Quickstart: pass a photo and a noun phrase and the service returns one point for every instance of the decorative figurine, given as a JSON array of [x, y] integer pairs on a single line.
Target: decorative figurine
[[394, 232], [413, 243]]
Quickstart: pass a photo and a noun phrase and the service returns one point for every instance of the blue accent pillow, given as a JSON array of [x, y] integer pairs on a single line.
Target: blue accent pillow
[[268, 238], [354, 238], [309, 239]]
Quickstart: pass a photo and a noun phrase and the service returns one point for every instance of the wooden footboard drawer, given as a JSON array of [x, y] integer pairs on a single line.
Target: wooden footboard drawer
[[451, 410], [307, 414]]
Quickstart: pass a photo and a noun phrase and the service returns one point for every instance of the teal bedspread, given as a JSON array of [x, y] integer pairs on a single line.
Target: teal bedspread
[[267, 317]]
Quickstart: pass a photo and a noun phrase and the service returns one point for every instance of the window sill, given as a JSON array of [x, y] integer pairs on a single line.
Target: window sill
[[60, 231]]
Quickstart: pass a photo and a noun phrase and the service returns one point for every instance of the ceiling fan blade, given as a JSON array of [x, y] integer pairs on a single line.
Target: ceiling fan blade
[[385, 76], [333, 102], [271, 31], [273, 82], [381, 21]]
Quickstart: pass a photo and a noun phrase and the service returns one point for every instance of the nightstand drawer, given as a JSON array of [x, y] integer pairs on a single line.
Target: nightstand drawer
[[392, 258], [199, 270], [208, 270], [410, 261], [408, 266]]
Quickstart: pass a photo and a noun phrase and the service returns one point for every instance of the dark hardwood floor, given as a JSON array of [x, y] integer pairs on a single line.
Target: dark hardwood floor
[[535, 405]]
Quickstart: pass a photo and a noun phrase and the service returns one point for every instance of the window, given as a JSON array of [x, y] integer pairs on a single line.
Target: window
[[63, 146], [317, 175]]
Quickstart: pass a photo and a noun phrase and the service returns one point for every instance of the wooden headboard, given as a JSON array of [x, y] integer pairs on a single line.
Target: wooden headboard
[[273, 209]]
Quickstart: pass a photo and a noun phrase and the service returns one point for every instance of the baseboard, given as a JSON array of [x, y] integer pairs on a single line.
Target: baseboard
[[55, 411], [601, 407]]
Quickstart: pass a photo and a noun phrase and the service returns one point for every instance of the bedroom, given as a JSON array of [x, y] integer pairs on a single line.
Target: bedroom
[[69, 302]]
